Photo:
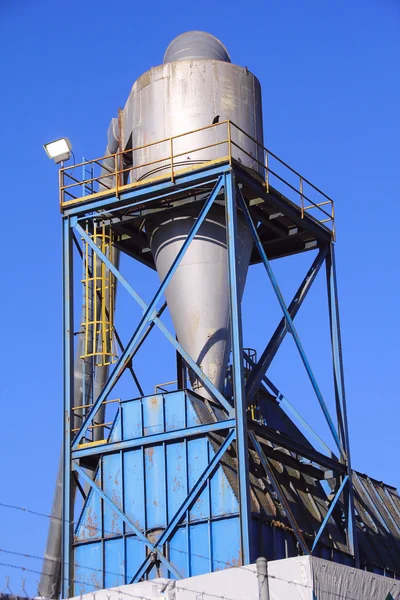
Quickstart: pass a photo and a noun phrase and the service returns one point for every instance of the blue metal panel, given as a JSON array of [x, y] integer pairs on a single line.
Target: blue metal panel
[[178, 551], [197, 462], [177, 476], [223, 499], [134, 499], [154, 439], [226, 547], [135, 555], [199, 549], [192, 418], [89, 568], [112, 486], [132, 419], [114, 559], [175, 411], [153, 414], [90, 523], [155, 486], [116, 433]]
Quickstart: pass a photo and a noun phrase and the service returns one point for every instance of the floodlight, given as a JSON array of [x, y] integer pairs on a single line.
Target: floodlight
[[59, 150]]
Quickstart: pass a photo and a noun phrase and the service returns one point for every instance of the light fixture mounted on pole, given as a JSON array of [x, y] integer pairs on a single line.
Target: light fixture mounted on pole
[[60, 150]]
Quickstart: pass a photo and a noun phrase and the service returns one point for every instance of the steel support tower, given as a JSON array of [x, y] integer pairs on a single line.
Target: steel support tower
[[242, 436]]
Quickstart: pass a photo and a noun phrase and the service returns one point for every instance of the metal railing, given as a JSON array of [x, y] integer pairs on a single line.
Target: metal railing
[[173, 156]]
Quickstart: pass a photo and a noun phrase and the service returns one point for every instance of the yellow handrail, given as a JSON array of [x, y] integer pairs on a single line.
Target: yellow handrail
[[174, 167]]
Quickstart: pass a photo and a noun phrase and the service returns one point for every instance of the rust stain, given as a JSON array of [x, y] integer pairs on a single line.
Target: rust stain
[[155, 502], [95, 582], [92, 527], [177, 484], [150, 454]]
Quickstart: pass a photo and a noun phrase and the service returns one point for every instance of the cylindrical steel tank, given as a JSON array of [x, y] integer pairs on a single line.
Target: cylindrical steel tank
[[196, 83]]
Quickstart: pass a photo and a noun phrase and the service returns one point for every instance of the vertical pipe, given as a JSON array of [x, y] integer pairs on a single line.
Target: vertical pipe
[[238, 372], [68, 360], [262, 578], [340, 394]]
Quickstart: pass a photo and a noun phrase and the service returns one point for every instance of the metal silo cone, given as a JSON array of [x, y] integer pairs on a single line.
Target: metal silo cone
[[197, 295]]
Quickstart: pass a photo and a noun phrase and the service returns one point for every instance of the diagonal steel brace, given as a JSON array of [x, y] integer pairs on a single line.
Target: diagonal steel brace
[[195, 491], [96, 489]]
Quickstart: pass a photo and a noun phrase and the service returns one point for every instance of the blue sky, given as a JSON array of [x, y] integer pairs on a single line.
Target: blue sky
[[331, 97]]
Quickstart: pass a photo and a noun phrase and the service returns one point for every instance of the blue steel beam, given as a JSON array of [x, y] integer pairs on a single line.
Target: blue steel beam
[[328, 514], [156, 438], [237, 364], [282, 498], [340, 394], [126, 519], [280, 332], [140, 196], [147, 316], [187, 503], [155, 320], [291, 326], [68, 361]]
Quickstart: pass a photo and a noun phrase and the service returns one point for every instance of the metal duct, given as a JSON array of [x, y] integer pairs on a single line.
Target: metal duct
[[193, 45], [197, 295]]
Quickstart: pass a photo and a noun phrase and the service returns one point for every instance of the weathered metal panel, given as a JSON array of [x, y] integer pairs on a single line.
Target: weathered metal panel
[[90, 524], [223, 499], [155, 486], [225, 543], [153, 411], [115, 433], [112, 487], [175, 411], [132, 419], [89, 568], [197, 461], [134, 500], [114, 563], [135, 554], [177, 476], [200, 561], [178, 551]]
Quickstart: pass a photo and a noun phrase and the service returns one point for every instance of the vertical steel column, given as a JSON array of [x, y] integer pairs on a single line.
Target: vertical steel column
[[68, 381], [340, 394], [238, 371]]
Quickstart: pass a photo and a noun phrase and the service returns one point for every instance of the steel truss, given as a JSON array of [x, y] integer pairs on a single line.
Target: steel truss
[[234, 423]]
